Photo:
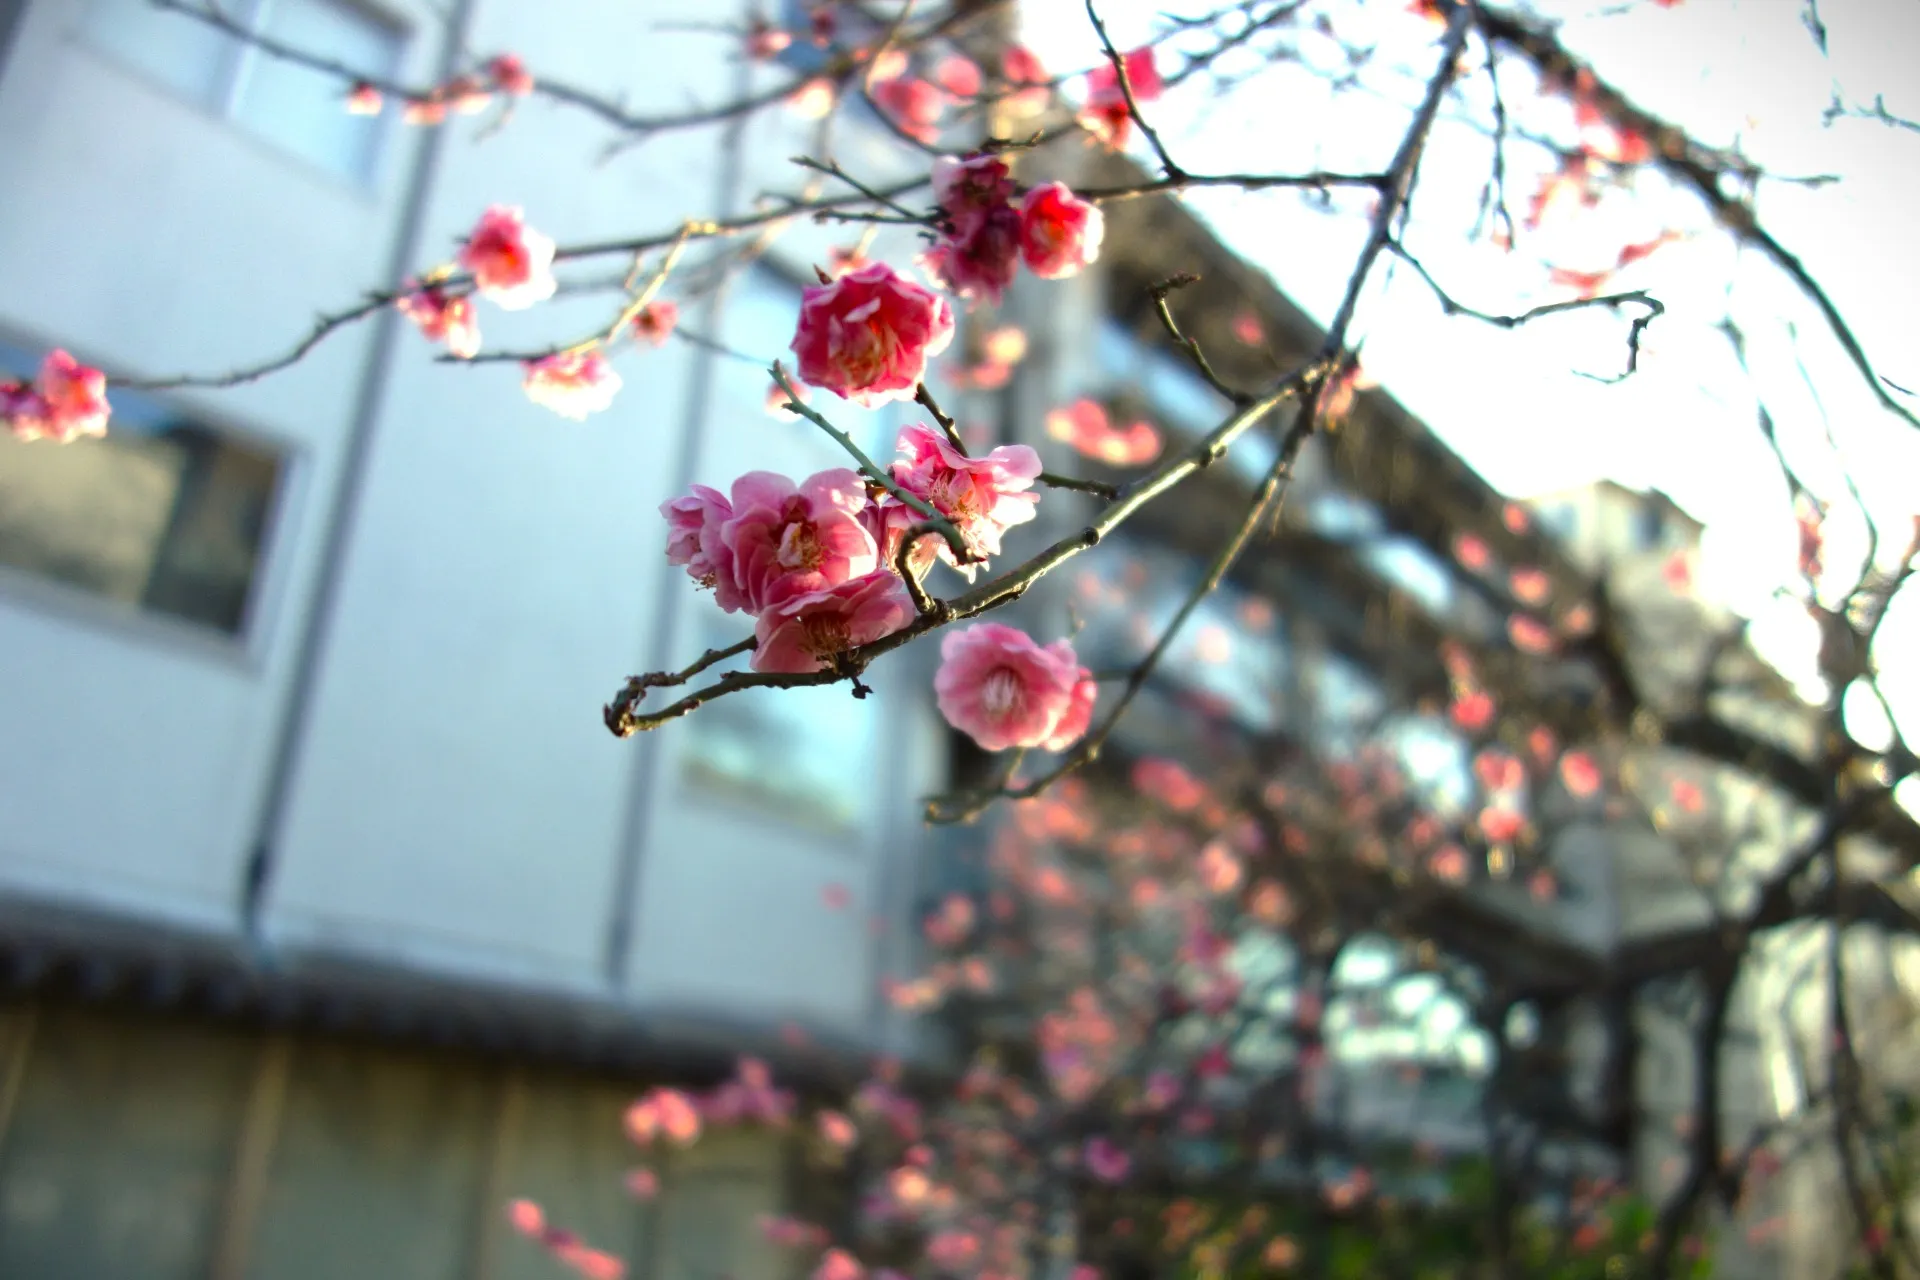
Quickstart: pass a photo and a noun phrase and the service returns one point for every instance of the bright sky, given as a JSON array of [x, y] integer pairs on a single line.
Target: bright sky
[[1514, 404]]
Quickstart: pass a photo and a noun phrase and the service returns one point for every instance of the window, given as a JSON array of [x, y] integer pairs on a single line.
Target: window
[[1651, 532], [291, 105], [809, 755], [163, 514]]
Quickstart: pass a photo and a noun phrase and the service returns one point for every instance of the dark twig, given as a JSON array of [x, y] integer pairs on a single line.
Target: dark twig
[[924, 398], [873, 471], [1652, 308], [1159, 293], [1098, 488]]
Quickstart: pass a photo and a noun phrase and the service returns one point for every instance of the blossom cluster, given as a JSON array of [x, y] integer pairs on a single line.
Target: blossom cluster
[[816, 563], [68, 400], [512, 267], [464, 95], [1105, 114], [1053, 230]]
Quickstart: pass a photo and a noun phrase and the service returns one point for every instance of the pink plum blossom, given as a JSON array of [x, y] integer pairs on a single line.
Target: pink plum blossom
[[1078, 715], [789, 540], [526, 1217], [68, 401], [654, 322], [983, 496], [443, 317], [867, 336], [571, 383], [1580, 773], [1059, 232], [982, 262], [1105, 114], [425, 111], [22, 410], [694, 522], [804, 634], [510, 75], [1001, 688], [914, 106], [970, 189], [466, 95], [958, 75], [1026, 78], [512, 264], [838, 1131], [364, 100]]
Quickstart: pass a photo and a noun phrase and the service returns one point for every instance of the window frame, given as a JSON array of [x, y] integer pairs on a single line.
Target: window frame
[[221, 103], [25, 591]]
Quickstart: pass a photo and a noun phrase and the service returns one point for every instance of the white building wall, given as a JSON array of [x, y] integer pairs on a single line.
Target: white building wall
[[454, 801], [149, 237]]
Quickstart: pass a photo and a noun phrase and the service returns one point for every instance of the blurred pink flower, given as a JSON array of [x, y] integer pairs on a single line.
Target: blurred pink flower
[[510, 75], [654, 322], [442, 317], [571, 383], [1105, 1161], [68, 401], [1105, 114], [1059, 232], [512, 264]]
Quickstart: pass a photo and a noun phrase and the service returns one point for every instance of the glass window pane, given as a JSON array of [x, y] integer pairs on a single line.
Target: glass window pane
[[300, 108], [809, 755], [184, 54], [162, 514], [120, 1146]]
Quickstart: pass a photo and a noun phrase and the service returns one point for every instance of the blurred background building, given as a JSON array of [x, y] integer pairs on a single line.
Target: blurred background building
[[331, 914]]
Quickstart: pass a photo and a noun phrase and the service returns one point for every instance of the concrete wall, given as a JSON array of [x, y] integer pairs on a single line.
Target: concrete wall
[[452, 799]]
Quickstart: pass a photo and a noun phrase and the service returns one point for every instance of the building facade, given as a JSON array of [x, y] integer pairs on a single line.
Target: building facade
[[333, 914]]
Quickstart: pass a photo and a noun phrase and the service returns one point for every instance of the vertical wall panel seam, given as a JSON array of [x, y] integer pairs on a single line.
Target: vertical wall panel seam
[[324, 598], [672, 590]]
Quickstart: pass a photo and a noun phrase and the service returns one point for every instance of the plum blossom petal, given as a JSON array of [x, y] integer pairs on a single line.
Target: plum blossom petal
[[806, 633], [1001, 688], [868, 335], [983, 496], [1059, 232], [787, 540]]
